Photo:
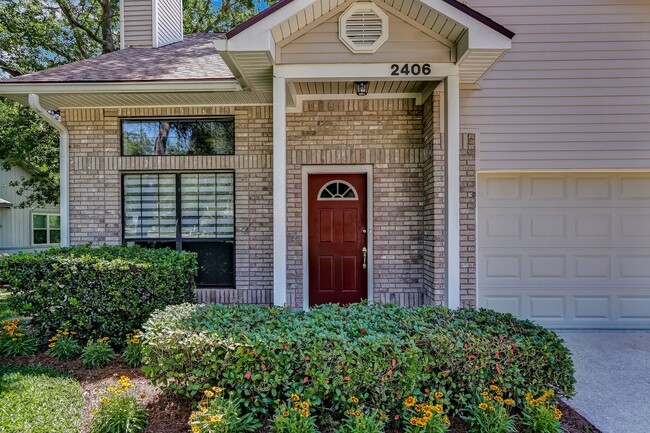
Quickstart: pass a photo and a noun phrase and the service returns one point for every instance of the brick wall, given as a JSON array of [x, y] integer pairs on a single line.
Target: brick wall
[[388, 135], [95, 186], [468, 220]]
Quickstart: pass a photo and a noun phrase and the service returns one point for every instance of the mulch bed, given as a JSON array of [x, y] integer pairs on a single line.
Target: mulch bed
[[169, 413]]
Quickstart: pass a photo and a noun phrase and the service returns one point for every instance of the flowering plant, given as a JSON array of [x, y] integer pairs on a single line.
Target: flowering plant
[[133, 352], [358, 419], [294, 416], [97, 353], [215, 414], [492, 414], [427, 417], [14, 340], [118, 410], [541, 415], [63, 345]]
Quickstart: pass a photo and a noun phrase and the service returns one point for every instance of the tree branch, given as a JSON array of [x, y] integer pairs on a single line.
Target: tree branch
[[9, 69]]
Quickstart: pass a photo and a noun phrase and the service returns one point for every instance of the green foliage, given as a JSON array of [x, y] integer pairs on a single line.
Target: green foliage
[[105, 291], [15, 341], [133, 352], [97, 353], [118, 411], [63, 345], [36, 399], [541, 415], [6, 312], [375, 353], [294, 416], [217, 414]]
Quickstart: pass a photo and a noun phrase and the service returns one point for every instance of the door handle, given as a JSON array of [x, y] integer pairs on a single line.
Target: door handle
[[365, 257]]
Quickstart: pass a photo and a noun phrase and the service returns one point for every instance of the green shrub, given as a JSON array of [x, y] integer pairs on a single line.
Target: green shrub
[[97, 291], [36, 399], [97, 353], [118, 411], [63, 345], [133, 352], [15, 341], [376, 353]]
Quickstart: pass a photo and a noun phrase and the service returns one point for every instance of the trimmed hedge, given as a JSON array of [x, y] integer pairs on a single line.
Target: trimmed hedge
[[378, 353], [97, 292]]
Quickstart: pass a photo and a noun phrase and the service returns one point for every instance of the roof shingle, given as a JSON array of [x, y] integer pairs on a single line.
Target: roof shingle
[[195, 58]]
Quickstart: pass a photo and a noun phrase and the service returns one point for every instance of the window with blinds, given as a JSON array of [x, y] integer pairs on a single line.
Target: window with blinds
[[187, 212]]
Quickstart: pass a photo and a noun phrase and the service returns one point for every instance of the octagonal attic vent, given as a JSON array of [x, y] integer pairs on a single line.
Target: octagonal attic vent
[[363, 27]]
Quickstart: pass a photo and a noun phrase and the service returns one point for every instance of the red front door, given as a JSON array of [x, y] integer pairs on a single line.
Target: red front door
[[337, 224]]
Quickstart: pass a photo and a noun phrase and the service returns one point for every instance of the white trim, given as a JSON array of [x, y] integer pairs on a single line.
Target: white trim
[[258, 104], [122, 14], [64, 143], [279, 192], [452, 191], [47, 228], [359, 72], [154, 24], [349, 185], [169, 86], [366, 169]]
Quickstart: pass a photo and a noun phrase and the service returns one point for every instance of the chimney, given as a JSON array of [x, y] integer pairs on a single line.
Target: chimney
[[150, 23]]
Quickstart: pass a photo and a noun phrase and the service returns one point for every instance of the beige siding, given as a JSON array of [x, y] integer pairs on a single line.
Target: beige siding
[[170, 22], [574, 91], [405, 44], [137, 23], [15, 223]]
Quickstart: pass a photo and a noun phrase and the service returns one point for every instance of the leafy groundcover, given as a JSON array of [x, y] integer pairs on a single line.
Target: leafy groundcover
[[379, 354]]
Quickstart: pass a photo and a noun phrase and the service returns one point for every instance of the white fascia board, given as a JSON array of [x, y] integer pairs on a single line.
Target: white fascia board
[[230, 85], [358, 72], [481, 36]]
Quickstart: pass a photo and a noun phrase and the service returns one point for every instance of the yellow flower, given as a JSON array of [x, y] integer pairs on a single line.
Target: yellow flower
[[494, 388], [305, 405], [94, 411], [51, 345], [216, 389], [534, 403], [285, 413], [438, 408], [295, 397], [208, 393], [104, 401], [410, 401], [446, 420], [304, 414], [354, 400], [482, 406], [438, 394], [509, 402], [357, 414], [498, 398], [196, 429]]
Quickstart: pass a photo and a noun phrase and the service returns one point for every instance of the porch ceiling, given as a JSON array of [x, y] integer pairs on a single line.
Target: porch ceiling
[[347, 87]]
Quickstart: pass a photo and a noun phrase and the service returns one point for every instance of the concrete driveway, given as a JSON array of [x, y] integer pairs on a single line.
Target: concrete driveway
[[613, 378]]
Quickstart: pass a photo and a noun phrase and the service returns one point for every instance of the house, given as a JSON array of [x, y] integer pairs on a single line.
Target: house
[[24, 229], [489, 152]]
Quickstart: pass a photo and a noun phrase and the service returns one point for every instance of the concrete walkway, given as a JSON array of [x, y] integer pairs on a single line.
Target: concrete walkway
[[613, 378]]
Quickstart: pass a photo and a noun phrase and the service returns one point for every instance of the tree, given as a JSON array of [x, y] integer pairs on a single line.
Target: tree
[[39, 34]]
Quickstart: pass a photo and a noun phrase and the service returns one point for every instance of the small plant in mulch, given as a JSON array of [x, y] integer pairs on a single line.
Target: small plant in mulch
[[133, 352], [15, 340], [294, 416], [359, 419], [216, 414], [118, 411], [540, 415], [427, 417], [97, 353], [492, 414], [63, 345]]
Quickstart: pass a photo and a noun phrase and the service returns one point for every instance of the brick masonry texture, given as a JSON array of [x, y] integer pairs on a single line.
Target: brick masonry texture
[[96, 169], [401, 140]]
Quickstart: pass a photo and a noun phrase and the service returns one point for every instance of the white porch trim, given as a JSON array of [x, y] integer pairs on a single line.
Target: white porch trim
[[279, 191], [336, 169], [452, 190], [359, 72]]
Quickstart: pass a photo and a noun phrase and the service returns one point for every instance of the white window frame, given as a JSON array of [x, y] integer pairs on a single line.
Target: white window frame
[[363, 6], [47, 216]]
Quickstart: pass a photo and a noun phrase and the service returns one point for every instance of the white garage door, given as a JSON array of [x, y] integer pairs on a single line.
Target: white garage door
[[566, 250]]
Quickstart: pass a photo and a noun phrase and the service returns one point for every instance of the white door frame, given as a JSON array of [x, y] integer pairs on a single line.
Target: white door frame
[[336, 169]]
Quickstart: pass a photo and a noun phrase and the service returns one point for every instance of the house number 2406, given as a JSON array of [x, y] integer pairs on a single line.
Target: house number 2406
[[414, 69]]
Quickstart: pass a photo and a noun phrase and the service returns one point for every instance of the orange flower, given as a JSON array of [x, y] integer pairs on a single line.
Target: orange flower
[[410, 401]]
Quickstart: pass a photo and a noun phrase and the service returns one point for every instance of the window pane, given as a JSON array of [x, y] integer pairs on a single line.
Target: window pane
[[216, 267], [178, 137], [207, 205], [150, 206], [40, 237], [55, 236], [39, 221], [55, 221]]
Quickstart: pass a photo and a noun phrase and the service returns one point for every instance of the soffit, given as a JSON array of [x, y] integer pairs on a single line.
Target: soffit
[[54, 101], [347, 87]]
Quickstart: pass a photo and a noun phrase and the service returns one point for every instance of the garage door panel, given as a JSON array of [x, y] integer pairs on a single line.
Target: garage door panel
[[566, 250]]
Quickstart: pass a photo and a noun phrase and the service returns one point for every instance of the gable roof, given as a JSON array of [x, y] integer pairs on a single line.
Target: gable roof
[[193, 59], [454, 3], [4, 203]]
